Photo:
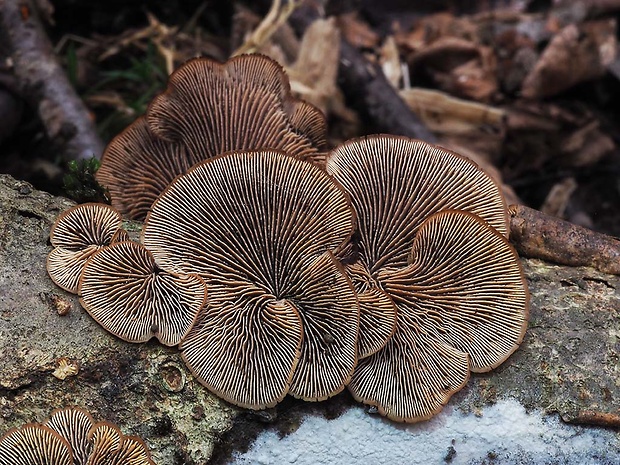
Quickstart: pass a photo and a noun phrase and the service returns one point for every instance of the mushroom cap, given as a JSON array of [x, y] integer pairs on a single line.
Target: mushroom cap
[[111, 447], [252, 224], [34, 444], [308, 121], [254, 216], [242, 104], [123, 289], [209, 108], [396, 182], [377, 311], [73, 424], [77, 234], [462, 305], [137, 166]]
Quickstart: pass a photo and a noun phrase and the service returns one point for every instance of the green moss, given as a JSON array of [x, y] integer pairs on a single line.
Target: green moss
[[80, 184]]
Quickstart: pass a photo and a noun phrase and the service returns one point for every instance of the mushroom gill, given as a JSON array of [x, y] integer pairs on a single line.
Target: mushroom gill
[[73, 424], [70, 437], [257, 226], [34, 444], [124, 290], [394, 184], [208, 108], [77, 234], [462, 305], [111, 447]]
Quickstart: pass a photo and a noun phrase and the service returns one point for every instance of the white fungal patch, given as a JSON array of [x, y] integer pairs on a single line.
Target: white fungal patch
[[503, 434]]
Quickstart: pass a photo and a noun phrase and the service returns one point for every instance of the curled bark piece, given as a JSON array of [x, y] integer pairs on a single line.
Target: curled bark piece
[[44, 84], [537, 235]]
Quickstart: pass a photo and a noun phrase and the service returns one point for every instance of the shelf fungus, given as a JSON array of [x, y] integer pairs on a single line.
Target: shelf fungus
[[71, 437], [127, 293], [261, 228], [208, 108], [431, 235], [77, 234]]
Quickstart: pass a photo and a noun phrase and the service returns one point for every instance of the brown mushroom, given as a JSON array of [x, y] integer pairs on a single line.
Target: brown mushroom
[[378, 322], [125, 291], [241, 104], [462, 305], [73, 424], [394, 184], [34, 444], [255, 225], [77, 234], [111, 447], [70, 437], [209, 108], [137, 166]]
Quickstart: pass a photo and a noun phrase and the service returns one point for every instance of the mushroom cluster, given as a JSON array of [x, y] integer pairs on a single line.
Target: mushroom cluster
[[71, 437], [381, 265], [209, 108]]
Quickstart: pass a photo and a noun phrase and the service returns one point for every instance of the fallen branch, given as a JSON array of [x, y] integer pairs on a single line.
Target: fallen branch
[[537, 235], [43, 84], [365, 85]]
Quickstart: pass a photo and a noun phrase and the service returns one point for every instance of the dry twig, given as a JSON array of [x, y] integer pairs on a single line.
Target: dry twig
[[537, 235]]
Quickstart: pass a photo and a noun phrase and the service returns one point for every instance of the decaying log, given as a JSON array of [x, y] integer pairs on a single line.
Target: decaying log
[[44, 85], [537, 235]]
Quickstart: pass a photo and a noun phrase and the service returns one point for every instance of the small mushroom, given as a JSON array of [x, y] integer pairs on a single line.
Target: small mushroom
[[462, 305], [137, 166], [34, 444], [111, 447], [78, 233], [125, 291], [256, 227], [308, 121], [73, 424], [70, 437]]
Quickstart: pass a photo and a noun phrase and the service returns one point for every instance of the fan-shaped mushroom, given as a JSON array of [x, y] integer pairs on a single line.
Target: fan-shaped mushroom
[[111, 447], [209, 108], [78, 233], [125, 292], [70, 437], [137, 166], [462, 305], [34, 444], [73, 424], [394, 184], [256, 226]]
